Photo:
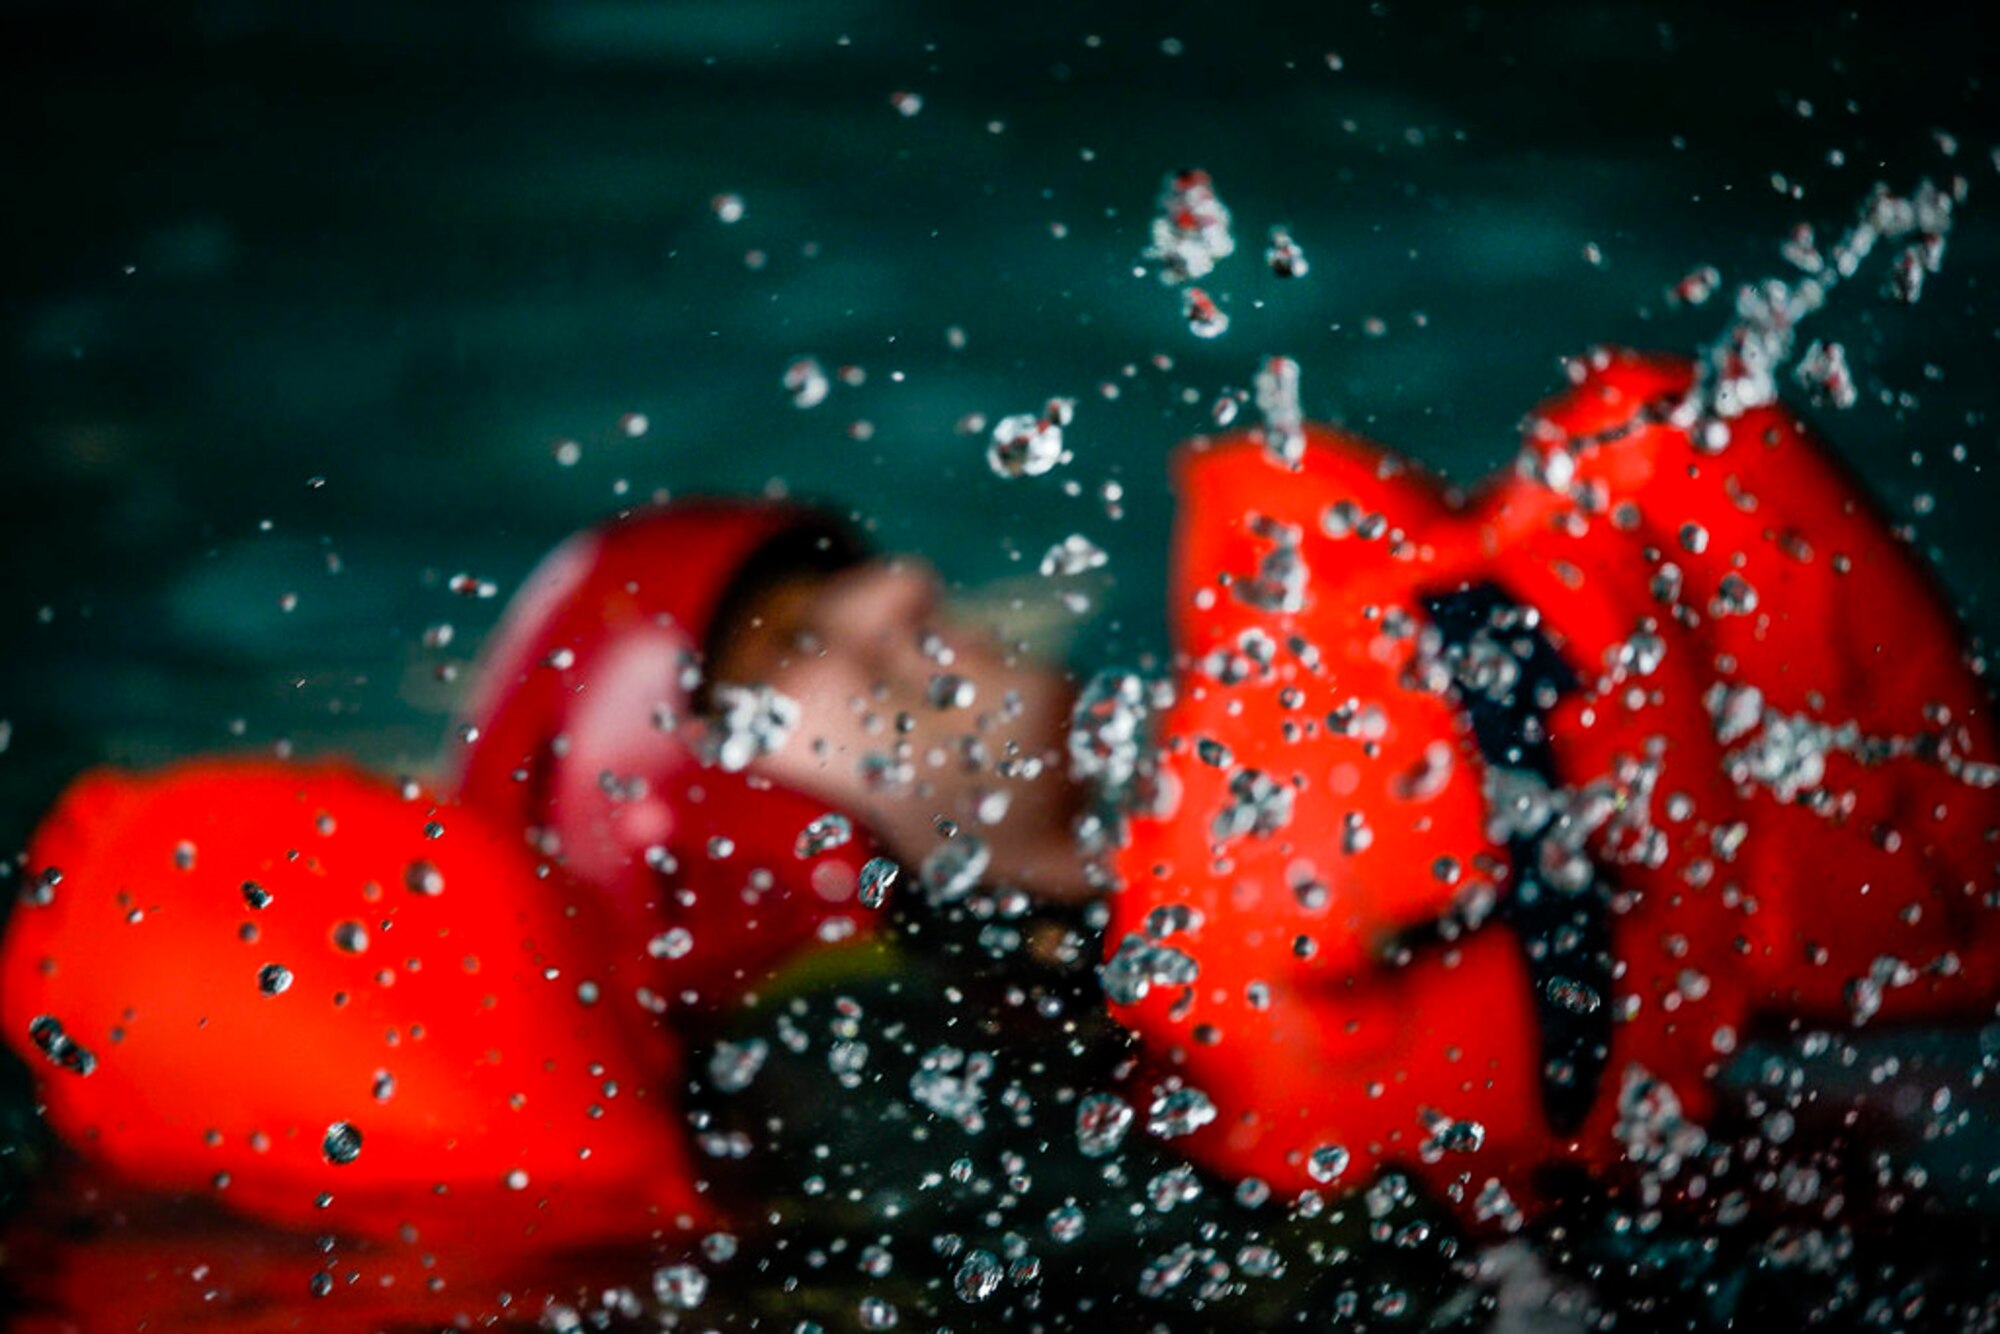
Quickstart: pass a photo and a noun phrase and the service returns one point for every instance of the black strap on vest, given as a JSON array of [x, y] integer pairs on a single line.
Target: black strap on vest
[[1564, 935]]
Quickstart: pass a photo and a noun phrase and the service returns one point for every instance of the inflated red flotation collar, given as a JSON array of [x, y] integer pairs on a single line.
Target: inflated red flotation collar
[[588, 729], [1534, 801], [332, 1005]]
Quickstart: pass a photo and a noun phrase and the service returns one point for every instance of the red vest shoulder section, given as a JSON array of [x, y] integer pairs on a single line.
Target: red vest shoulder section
[[1765, 742], [1792, 670], [276, 982], [1328, 800]]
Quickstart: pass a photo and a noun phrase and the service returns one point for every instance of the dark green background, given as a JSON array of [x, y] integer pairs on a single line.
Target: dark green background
[[406, 248]]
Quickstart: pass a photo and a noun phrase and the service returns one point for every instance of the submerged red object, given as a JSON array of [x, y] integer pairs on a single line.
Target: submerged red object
[[1536, 801], [594, 729], [330, 1004]]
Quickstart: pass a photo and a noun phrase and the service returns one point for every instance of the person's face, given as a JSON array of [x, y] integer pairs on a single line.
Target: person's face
[[907, 719]]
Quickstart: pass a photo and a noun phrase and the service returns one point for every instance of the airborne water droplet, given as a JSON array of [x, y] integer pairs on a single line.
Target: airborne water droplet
[[1181, 1112], [877, 1313], [46, 1032], [828, 832], [1191, 232], [1277, 387], [1066, 1223], [1205, 319], [1025, 445], [978, 1277], [806, 381], [1327, 1163], [673, 943], [342, 1144], [878, 876], [1572, 995], [734, 1065], [1101, 1122], [951, 870], [680, 1287], [1286, 258], [1075, 554], [274, 979]]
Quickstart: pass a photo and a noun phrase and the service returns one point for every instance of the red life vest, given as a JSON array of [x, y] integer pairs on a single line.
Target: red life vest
[[265, 983], [1522, 807], [231, 969]]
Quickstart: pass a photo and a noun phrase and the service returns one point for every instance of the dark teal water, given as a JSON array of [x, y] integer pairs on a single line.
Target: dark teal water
[[298, 299], [406, 249]]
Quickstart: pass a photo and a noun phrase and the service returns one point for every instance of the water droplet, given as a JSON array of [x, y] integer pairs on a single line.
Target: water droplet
[[1066, 1223], [978, 1276], [1205, 319], [747, 722], [878, 876], [1448, 1135], [1327, 1163], [952, 1083], [1572, 995], [255, 895], [350, 937], [877, 1313], [806, 381], [1824, 370], [673, 943], [734, 1065], [1284, 419], [948, 690], [1180, 1112], [1025, 445], [1138, 965], [1286, 258], [420, 877], [1172, 1188], [46, 1032], [274, 979], [680, 1287], [953, 868], [1102, 1120], [1259, 806], [828, 832], [1191, 233], [1074, 555], [727, 207], [342, 1144], [1696, 287]]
